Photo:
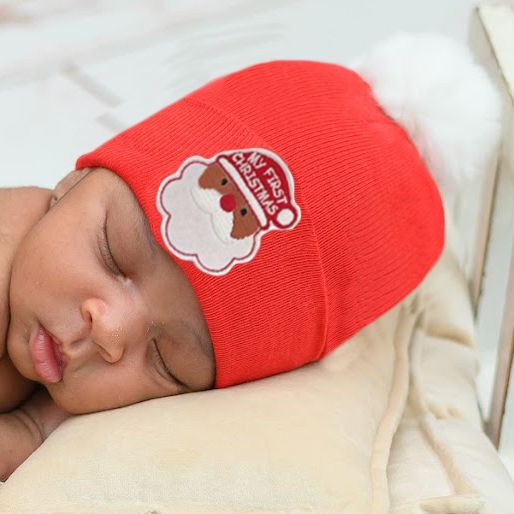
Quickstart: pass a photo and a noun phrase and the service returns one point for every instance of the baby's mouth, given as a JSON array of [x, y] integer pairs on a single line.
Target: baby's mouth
[[46, 356]]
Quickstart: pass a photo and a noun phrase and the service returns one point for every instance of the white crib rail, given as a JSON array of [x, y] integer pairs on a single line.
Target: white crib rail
[[492, 39]]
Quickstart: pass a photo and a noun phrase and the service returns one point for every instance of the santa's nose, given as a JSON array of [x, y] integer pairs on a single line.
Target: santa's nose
[[228, 202]]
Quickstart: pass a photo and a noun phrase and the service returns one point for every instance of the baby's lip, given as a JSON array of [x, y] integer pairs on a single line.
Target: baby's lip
[[62, 358], [48, 359], [57, 348]]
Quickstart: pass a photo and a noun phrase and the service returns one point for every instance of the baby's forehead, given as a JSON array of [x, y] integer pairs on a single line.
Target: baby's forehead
[[123, 200]]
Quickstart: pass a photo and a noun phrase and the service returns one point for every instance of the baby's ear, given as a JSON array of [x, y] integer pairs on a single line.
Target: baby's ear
[[66, 183]]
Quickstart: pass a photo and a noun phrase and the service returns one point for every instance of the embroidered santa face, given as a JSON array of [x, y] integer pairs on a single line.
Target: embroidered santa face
[[215, 212], [215, 178]]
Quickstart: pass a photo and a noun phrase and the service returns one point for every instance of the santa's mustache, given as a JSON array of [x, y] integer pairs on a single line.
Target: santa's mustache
[[208, 200]]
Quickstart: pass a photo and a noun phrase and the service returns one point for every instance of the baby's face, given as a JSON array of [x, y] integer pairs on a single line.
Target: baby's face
[[108, 320]]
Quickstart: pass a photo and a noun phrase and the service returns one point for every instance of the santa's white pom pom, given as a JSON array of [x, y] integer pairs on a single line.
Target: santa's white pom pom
[[448, 105]]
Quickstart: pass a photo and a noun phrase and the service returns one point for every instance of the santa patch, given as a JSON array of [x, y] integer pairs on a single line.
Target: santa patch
[[215, 212]]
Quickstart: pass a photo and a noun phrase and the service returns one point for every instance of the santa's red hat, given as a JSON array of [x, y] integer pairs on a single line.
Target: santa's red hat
[[360, 225]]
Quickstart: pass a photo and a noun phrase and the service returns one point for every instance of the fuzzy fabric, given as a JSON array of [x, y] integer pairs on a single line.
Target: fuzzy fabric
[[432, 86]]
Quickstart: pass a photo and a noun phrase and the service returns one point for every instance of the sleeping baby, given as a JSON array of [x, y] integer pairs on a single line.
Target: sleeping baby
[[243, 231]]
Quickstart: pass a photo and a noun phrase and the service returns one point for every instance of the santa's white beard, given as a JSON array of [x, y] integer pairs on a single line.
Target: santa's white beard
[[195, 227], [209, 201]]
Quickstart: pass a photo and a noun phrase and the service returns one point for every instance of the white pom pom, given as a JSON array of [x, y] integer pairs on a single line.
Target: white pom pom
[[450, 108], [285, 216]]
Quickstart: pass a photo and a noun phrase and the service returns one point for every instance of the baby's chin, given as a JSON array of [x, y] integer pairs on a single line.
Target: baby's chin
[[65, 401]]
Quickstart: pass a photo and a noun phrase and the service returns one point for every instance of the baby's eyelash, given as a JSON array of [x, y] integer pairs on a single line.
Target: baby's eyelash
[[105, 249], [157, 354]]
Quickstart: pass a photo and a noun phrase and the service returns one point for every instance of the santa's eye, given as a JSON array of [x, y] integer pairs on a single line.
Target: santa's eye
[[223, 181], [243, 212]]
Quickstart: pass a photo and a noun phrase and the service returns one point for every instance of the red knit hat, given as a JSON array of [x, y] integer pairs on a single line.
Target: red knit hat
[[298, 210]]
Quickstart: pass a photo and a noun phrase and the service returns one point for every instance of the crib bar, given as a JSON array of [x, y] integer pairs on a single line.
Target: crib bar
[[493, 39], [483, 49], [504, 364], [483, 234]]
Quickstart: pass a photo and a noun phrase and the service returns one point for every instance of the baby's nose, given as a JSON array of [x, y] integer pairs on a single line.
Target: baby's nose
[[112, 330], [228, 202]]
